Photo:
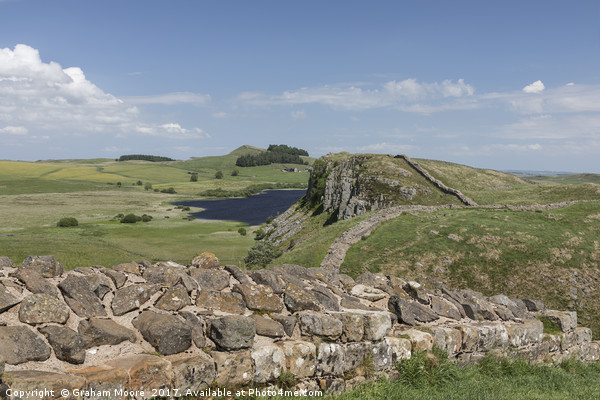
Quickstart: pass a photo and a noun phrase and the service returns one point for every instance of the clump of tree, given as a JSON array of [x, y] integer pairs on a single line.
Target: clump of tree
[[242, 231], [275, 154], [132, 218], [147, 186], [144, 157], [261, 254], [67, 222], [282, 148], [169, 190], [194, 177], [250, 190], [219, 175]]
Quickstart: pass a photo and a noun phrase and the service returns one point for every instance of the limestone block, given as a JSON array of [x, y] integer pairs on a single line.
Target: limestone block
[[377, 325], [400, 348], [315, 324], [103, 380], [382, 355], [355, 354], [233, 368], [300, 357], [268, 327], [566, 320], [259, 297], [444, 308], [420, 340], [470, 337], [330, 359], [42, 382], [447, 339], [232, 332], [146, 372], [298, 299], [269, 361], [529, 332], [193, 373], [353, 328], [491, 336], [367, 292]]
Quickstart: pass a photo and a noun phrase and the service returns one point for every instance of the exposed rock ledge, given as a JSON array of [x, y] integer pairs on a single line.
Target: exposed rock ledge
[[136, 328]]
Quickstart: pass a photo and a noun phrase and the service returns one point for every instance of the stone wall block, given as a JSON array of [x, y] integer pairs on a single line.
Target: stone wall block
[[300, 357], [233, 368], [269, 361], [330, 359]]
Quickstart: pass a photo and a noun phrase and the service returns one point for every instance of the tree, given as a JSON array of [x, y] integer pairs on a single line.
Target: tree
[[261, 254], [119, 184], [242, 231], [130, 219], [219, 175], [139, 183], [147, 186], [235, 172], [67, 222], [194, 178]]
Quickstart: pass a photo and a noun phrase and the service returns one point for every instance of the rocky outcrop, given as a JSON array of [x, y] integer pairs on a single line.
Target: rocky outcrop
[[324, 330]]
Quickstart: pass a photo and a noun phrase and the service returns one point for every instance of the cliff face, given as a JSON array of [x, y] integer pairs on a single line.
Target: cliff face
[[357, 184]]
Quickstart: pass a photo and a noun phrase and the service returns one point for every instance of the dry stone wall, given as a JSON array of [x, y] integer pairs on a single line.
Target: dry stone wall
[[141, 329]]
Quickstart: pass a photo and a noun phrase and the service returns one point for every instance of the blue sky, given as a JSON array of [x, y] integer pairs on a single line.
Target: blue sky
[[503, 85]]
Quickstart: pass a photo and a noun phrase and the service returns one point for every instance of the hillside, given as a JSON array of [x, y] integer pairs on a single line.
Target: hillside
[[515, 247]]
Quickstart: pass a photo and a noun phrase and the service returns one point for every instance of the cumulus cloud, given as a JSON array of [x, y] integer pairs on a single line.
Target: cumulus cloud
[[387, 147], [392, 94], [172, 130], [42, 96], [535, 87]]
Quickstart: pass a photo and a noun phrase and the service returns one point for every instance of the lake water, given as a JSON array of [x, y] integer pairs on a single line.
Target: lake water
[[253, 210]]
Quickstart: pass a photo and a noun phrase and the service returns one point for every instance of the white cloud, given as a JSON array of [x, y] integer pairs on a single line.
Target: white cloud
[[14, 130], [392, 94], [170, 98], [300, 114], [40, 96], [387, 147], [221, 114], [535, 87]]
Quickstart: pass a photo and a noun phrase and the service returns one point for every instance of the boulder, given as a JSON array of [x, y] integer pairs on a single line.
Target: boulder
[[420, 340], [210, 279], [146, 372], [193, 373], [269, 361], [131, 297], [19, 344], [5, 262], [232, 332], [346, 281], [534, 305], [67, 344], [259, 297], [7, 300], [410, 312], [165, 332], [269, 278], [326, 298], [400, 348], [268, 327], [382, 355], [128, 268], [78, 295], [300, 357], [288, 322], [447, 339], [173, 299], [228, 302], [33, 381], [166, 275], [205, 260], [417, 292], [354, 356], [100, 284], [315, 324], [43, 308], [99, 331], [118, 278], [233, 368], [566, 320], [35, 282], [298, 299], [367, 292], [238, 274], [197, 326], [444, 308], [46, 266], [353, 303]]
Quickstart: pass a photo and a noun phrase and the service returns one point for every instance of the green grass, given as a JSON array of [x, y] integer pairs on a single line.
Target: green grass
[[520, 253], [568, 179], [493, 187]]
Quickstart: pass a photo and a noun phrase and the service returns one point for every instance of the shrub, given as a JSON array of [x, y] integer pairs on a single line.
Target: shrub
[[235, 172], [219, 175], [119, 184], [146, 218], [139, 183], [130, 219], [169, 190], [242, 231], [261, 254], [67, 222], [147, 186], [259, 234], [194, 178]]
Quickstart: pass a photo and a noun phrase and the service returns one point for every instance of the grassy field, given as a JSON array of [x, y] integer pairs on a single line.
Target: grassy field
[[494, 187], [551, 255], [567, 179], [35, 195]]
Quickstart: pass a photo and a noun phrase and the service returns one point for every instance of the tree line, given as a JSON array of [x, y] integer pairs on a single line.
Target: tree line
[[275, 154], [143, 157]]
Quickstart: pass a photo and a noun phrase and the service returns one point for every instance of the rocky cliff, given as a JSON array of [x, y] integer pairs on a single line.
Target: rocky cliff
[[140, 329]]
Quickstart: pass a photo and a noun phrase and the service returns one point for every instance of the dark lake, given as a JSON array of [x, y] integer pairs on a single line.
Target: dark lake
[[253, 210]]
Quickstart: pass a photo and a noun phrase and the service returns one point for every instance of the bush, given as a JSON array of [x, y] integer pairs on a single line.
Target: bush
[[219, 175], [194, 178], [67, 222], [130, 219], [261, 254], [139, 183], [169, 190], [259, 234], [235, 172], [242, 231], [146, 218], [147, 186]]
